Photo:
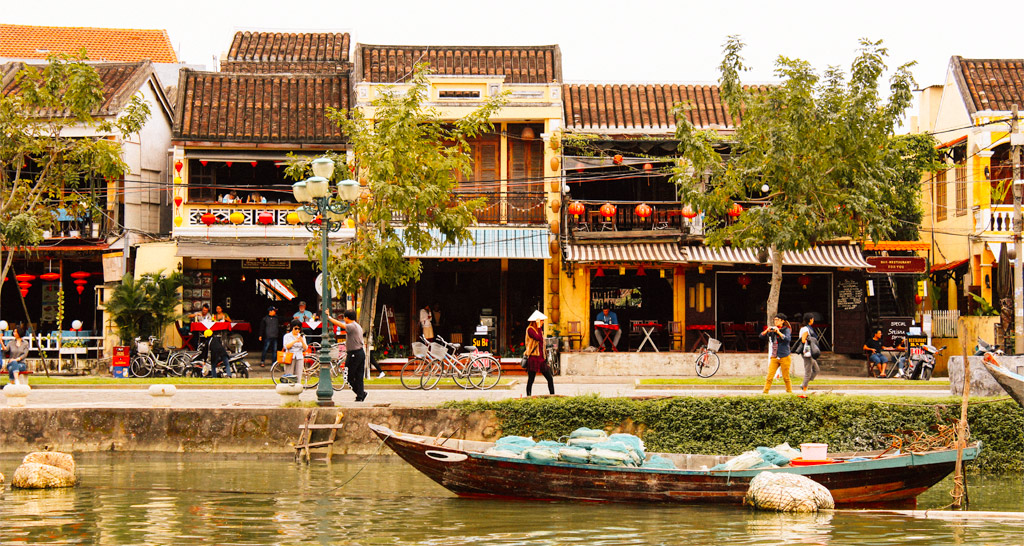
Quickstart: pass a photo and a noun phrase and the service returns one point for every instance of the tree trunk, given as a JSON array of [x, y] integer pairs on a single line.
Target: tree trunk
[[368, 310], [776, 284]]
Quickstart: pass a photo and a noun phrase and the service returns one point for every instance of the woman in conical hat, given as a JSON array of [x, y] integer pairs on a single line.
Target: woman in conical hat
[[535, 361]]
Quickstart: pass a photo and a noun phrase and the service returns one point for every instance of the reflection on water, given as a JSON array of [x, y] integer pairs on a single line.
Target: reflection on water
[[230, 499]]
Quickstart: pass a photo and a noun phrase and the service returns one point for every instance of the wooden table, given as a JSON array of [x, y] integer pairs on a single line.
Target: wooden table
[[606, 331], [648, 328]]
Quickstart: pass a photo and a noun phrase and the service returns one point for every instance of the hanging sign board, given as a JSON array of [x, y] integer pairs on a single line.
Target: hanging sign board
[[389, 315], [265, 263], [898, 264]]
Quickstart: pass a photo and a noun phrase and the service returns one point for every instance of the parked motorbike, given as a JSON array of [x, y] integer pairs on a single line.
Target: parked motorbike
[[199, 366], [985, 347], [922, 365]]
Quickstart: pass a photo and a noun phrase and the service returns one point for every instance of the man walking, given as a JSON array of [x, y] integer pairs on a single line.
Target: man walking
[[355, 360], [270, 329]]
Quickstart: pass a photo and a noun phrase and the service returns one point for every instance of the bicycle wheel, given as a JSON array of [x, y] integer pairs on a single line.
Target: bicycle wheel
[[412, 372], [177, 364], [339, 375], [707, 364], [461, 373], [310, 372], [554, 361], [276, 369], [489, 371], [432, 375], [140, 366]]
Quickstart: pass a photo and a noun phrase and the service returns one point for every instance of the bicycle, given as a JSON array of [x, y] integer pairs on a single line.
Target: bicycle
[[444, 363], [413, 370], [551, 353], [311, 369], [707, 362], [147, 360]]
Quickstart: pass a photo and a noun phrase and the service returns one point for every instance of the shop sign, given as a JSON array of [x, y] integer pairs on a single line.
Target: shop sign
[[265, 263], [893, 328], [898, 264]]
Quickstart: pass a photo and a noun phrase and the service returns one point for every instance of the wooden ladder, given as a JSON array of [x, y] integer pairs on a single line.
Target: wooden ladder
[[306, 429]]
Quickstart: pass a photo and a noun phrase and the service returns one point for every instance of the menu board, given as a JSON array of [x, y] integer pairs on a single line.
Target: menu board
[[850, 320], [849, 295], [198, 291]]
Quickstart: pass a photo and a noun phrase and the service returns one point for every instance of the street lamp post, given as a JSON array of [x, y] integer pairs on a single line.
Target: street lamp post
[[321, 210]]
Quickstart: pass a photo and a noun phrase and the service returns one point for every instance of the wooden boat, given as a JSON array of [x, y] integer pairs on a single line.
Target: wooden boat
[[462, 467], [1011, 382]]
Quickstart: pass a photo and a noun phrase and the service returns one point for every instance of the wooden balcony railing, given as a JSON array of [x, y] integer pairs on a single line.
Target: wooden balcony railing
[[666, 216], [505, 208]]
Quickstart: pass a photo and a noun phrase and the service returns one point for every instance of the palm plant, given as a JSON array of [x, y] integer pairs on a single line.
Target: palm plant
[[144, 307]]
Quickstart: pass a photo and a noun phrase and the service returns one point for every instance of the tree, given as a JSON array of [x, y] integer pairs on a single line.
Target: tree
[[821, 147], [146, 306], [42, 164], [408, 159]]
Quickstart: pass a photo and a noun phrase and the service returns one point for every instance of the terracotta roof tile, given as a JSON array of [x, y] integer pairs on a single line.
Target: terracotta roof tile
[[101, 44], [119, 82], [267, 52], [990, 84], [283, 108], [641, 107], [519, 64]]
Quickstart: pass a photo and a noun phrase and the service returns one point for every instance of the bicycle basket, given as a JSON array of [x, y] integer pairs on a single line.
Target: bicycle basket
[[714, 345], [142, 347], [438, 351], [419, 350], [337, 351]]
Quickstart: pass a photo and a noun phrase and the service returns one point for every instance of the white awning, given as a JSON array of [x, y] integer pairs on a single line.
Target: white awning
[[848, 256], [493, 243], [626, 252]]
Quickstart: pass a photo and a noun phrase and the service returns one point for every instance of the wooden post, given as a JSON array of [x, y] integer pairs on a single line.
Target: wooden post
[[1018, 272], [959, 490]]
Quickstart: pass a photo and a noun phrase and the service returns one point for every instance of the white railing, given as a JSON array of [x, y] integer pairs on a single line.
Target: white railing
[[944, 323], [62, 347]]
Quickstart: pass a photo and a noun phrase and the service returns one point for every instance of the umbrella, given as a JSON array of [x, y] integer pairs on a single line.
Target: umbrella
[[1004, 280]]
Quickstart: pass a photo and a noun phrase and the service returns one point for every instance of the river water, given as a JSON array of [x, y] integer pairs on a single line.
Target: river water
[[190, 500]]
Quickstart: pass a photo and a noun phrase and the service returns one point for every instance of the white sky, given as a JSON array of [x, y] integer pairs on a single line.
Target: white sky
[[607, 41]]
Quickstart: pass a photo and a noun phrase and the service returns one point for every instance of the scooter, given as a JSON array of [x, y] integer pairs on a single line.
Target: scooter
[[922, 365], [200, 367], [984, 347]]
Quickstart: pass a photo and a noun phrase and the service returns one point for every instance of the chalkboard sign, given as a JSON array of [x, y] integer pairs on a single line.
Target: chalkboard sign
[[849, 295], [850, 320]]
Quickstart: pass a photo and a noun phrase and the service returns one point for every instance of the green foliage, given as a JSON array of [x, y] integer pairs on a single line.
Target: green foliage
[[43, 163], [823, 145], [144, 307], [731, 425], [985, 308]]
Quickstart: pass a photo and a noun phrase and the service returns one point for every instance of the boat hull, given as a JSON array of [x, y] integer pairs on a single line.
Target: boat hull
[[1012, 383], [891, 481]]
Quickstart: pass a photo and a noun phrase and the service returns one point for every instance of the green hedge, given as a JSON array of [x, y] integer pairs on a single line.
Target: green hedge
[[731, 425]]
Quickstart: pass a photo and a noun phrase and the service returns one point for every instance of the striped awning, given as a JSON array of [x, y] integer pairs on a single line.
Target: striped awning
[[848, 256], [626, 252], [512, 243]]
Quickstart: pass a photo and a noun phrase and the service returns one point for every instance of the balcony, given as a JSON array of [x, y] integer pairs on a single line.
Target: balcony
[[274, 224], [666, 220], [513, 208]]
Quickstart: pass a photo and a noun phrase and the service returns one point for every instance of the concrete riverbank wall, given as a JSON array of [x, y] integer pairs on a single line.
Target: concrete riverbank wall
[[226, 430]]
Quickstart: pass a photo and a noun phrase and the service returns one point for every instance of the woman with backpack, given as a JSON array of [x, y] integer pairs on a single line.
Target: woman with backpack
[[810, 352]]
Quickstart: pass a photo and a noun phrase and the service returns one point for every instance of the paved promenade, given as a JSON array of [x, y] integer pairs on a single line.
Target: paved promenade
[[249, 396]]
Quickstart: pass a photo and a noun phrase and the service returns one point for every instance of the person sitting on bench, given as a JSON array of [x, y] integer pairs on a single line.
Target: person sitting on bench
[[15, 362], [608, 317], [876, 357]]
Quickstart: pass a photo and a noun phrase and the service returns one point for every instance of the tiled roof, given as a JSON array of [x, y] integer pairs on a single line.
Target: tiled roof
[[648, 107], [284, 108], [990, 84], [120, 81], [519, 64], [101, 44], [264, 52]]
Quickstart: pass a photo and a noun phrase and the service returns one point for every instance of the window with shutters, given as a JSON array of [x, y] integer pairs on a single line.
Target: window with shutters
[[525, 176], [941, 201], [484, 180], [961, 189]]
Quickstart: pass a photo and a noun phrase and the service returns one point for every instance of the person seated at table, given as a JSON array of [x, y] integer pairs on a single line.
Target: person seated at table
[[607, 316], [255, 197], [203, 315], [902, 357], [876, 357], [302, 315], [219, 315], [230, 197]]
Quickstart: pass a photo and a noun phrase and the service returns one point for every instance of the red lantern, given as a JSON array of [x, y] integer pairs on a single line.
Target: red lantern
[[81, 282], [617, 159], [804, 281], [689, 213], [80, 289], [918, 298], [177, 201], [228, 163], [577, 209], [253, 163], [50, 276], [178, 165], [643, 211], [81, 275], [24, 277], [648, 167], [265, 218], [640, 271], [607, 210], [209, 219], [743, 280], [579, 167], [600, 272], [203, 162], [25, 285], [735, 210], [318, 220], [24, 292]]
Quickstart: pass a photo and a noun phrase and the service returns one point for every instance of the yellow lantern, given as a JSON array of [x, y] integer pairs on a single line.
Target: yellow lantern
[[350, 223], [177, 180], [292, 218], [177, 221], [554, 163], [236, 218]]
